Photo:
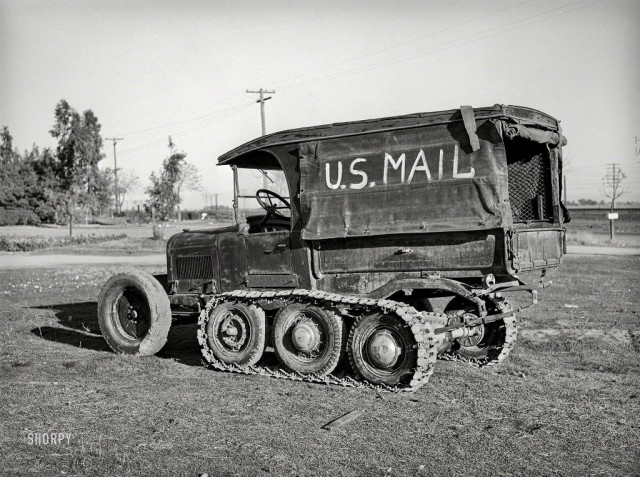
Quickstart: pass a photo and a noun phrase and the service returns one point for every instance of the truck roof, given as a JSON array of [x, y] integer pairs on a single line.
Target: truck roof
[[519, 114]]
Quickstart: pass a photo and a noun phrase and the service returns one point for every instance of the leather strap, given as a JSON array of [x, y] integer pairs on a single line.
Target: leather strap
[[469, 120]]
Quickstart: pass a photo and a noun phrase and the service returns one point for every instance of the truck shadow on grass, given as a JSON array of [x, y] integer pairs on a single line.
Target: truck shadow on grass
[[79, 328]]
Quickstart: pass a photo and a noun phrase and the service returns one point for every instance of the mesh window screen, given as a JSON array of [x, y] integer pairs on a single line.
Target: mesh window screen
[[529, 183]]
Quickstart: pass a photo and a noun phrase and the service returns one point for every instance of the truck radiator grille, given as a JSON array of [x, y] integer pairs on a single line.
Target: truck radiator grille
[[530, 186], [194, 267]]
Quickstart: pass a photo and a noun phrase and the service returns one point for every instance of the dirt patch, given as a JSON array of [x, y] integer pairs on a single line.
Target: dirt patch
[[624, 337]]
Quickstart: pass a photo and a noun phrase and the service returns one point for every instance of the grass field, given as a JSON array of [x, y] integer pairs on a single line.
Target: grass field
[[142, 231], [567, 406], [139, 241], [581, 231]]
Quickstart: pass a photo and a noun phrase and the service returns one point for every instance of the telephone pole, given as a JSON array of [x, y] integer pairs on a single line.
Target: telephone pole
[[262, 99], [115, 169], [208, 199]]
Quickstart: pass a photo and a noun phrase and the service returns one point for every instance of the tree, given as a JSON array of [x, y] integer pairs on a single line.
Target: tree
[[9, 174], [7, 154], [163, 195], [77, 156], [587, 202], [612, 188], [127, 182], [20, 191], [29, 181], [100, 193], [43, 195], [613, 184], [188, 179]]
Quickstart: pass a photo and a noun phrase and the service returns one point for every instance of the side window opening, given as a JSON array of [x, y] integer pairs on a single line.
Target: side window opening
[[263, 200]]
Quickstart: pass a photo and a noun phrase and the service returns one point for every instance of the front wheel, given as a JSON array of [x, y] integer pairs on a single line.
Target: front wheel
[[236, 333], [134, 313]]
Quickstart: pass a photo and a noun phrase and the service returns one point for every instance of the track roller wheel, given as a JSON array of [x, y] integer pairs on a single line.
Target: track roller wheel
[[236, 333], [487, 344], [382, 349], [308, 339]]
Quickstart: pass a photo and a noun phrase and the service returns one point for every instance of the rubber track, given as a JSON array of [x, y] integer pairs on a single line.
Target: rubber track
[[418, 321]]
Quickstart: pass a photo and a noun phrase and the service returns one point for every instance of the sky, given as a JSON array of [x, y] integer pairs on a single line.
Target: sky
[[150, 69]]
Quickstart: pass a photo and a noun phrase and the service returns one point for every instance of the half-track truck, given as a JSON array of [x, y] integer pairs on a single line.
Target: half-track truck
[[362, 227]]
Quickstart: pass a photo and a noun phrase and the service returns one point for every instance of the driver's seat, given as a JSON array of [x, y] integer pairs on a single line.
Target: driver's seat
[[272, 224]]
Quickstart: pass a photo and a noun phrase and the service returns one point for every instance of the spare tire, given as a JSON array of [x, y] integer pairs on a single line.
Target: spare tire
[[134, 313]]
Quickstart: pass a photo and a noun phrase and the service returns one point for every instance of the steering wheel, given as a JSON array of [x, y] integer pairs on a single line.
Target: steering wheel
[[265, 198]]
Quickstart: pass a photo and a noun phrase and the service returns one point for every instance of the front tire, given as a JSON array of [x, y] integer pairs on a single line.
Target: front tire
[[236, 333], [134, 313]]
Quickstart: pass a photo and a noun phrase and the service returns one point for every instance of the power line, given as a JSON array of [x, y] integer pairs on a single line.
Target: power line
[[183, 132], [193, 118], [451, 44], [396, 45], [444, 46], [588, 169]]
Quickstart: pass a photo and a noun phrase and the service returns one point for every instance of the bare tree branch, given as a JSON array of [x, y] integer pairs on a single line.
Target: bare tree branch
[[188, 179], [613, 186], [128, 182]]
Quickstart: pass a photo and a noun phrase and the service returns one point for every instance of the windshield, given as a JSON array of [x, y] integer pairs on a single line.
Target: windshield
[[250, 181]]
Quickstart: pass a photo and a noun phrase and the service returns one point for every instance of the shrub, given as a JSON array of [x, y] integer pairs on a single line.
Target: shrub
[[18, 217], [137, 217], [109, 220], [28, 244]]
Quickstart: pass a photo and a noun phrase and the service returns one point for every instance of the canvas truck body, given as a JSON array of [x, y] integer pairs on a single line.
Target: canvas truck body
[[393, 204]]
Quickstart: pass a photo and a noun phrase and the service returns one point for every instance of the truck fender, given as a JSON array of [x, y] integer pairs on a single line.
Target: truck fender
[[435, 283]]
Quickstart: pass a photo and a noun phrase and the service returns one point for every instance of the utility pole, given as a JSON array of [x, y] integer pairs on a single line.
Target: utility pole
[[262, 99], [115, 168], [208, 199]]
